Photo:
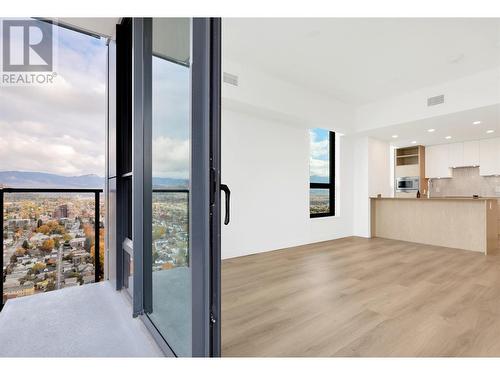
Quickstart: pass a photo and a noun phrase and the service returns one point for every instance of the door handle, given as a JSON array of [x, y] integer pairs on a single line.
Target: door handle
[[227, 194]]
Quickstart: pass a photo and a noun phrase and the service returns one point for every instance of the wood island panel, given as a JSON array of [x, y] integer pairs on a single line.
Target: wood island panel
[[468, 224]]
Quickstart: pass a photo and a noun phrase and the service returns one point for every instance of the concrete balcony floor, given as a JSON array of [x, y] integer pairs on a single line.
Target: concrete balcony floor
[[87, 321]]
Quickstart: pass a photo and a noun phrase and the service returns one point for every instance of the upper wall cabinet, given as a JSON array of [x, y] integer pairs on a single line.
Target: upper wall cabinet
[[441, 158], [471, 153], [437, 161], [456, 155], [464, 154], [489, 157]]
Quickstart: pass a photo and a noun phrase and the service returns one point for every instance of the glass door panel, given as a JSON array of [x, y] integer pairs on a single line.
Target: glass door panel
[[171, 295], [175, 194]]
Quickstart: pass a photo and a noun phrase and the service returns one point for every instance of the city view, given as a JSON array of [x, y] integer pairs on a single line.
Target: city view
[[53, 136], [49, 242], [319, 201], [49, 239], [170, 230]]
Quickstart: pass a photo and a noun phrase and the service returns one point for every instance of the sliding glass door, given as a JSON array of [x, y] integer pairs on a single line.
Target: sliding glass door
[[176, 98], [171, 180]]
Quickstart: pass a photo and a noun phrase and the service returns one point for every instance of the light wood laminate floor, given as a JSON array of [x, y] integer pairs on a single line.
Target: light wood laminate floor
[[361, 297]]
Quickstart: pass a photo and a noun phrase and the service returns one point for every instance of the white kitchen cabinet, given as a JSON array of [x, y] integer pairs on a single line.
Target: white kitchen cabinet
[[471, 154], [429, 161], [456, 155], [464, 154], [437, 161], [440, 159], [489, 157]]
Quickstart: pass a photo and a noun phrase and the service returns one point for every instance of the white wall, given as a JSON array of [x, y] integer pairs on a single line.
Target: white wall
[[360, 205], [372, 176], [379, 174], [267, 95], [265, 162]]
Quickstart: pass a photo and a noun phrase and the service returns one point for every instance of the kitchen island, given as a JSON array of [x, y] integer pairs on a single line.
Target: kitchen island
[[461, 223]]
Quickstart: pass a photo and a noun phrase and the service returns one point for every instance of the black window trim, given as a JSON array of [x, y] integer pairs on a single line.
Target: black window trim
[[328, 185]]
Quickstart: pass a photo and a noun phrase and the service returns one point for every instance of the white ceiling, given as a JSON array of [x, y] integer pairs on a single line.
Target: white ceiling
[[361, 60], [102, 26], [458, 125]]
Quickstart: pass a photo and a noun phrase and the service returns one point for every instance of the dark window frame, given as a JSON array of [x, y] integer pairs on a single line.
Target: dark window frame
[[330, 186], [205, 192]]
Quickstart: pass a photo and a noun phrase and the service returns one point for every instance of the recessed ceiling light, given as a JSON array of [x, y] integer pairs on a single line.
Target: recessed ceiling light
[[431, 130], [395, 136], [490, 131], [413, 142], [448, 137], [476, 122]]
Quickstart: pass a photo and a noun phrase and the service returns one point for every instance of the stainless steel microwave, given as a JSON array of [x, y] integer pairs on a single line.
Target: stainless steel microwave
[[407, 184]]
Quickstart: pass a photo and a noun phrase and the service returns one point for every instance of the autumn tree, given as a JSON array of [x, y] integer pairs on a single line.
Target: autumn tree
[[38, 267], [159, 232], [101, 249], [167, 266], [47, 245], [20, 252], [88, 229], [51, 227], [43, 229]]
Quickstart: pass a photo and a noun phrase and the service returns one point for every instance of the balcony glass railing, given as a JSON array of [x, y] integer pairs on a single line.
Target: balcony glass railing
[[52, 239]]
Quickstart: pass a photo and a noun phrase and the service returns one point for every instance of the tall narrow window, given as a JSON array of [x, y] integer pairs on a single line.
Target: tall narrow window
[[322, 173]]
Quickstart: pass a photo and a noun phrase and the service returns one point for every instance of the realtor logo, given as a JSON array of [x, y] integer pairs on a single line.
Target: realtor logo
[[27, 52], [27, 46]]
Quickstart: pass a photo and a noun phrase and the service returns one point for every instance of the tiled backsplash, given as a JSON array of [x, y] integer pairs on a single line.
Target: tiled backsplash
[[466, 182]]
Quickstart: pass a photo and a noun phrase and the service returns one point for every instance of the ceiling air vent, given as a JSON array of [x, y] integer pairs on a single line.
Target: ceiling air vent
[[230, 79], [435, 100]]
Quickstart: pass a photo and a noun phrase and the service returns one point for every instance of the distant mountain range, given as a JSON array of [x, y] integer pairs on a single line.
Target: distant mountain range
[[164, 182], [48, 180]]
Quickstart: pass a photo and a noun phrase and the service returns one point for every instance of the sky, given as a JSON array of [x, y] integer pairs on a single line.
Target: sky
[[171, 119], [59, 128], [319, 159]]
